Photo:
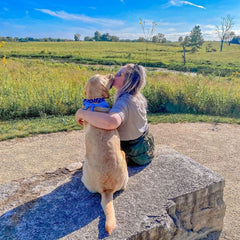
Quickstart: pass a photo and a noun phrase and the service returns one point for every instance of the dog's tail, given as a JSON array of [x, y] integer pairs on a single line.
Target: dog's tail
[[107, 205]]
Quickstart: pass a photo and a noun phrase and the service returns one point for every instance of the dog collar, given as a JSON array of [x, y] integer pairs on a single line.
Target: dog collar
[[96, 102]]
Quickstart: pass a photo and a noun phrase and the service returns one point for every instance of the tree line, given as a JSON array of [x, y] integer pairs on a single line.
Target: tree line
[[31, 39], [159, 38]]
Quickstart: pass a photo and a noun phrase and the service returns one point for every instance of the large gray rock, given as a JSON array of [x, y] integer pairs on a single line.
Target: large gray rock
[[171, 198]]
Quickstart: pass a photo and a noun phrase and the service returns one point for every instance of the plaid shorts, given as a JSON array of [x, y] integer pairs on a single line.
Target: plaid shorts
[[139, 151]]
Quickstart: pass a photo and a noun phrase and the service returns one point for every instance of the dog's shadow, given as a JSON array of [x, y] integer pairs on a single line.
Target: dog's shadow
[[68, 208]]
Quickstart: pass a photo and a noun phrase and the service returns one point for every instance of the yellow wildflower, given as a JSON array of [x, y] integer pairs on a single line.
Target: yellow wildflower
[[2, 43], [4, 60], [140, 22]]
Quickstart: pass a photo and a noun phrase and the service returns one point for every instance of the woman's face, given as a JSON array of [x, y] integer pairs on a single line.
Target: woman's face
[[119, 78]]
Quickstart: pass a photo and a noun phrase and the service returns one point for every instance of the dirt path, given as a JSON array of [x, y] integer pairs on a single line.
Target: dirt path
[[214, 146]]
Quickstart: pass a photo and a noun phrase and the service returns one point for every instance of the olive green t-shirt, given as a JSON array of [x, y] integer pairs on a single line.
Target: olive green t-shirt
[[134, 119]]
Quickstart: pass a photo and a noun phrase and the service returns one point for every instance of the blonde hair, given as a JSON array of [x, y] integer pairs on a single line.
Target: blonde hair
[[134, 81]]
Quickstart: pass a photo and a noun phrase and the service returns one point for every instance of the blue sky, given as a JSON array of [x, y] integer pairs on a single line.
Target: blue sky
[[62, 19]]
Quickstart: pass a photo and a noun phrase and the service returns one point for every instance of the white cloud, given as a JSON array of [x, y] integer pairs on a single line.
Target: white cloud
[[168, 24], [209, 26], [176, 35], [208, 35], [179, 3], [83, 18], [171, 29]]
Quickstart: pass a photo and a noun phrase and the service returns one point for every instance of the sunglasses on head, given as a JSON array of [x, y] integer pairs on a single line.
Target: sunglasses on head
[[119, 73]]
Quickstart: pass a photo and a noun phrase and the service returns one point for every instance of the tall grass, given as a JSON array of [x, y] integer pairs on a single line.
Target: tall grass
[[171, 93], [37, 88]]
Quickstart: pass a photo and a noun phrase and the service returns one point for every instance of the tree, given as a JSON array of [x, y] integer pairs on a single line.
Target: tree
[[180, 39], [105, 37], [141, 39], [77, 37], [185, 44], [159, 38], [224, 29], [230, 37], [115, 38], [154, 39], [97, 36], [195, 39], [102, 37], [164, 40], [87, 38]]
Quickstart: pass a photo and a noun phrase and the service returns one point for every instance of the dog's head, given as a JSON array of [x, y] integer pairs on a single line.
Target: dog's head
[[98, 86]]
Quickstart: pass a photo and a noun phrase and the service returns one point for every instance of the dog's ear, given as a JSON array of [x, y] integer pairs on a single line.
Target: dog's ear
[[109, 76], [105, 93]]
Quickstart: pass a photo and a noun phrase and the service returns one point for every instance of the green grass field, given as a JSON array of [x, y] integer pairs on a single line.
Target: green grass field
[[167, 55]]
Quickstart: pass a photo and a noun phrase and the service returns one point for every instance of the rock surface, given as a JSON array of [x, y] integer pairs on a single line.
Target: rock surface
[[172, 198]]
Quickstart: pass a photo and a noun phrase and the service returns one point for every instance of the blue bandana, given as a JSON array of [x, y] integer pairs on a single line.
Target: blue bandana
[[96, 102]]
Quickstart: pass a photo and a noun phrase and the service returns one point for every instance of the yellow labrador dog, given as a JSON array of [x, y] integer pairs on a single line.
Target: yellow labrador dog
[[105, 168]]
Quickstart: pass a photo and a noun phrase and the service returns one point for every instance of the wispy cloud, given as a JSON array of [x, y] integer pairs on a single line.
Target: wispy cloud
[[209, 26], [93, 8], [180, 3], [83, 18], [170, 24]]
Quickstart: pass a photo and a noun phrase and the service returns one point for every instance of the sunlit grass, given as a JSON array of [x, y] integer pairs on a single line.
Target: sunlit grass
[[193, 118], [177, 93], [37, 88], [159, 55], [28, 127]]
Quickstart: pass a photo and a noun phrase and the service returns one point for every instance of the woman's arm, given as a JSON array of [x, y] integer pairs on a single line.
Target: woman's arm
[[108, 121]]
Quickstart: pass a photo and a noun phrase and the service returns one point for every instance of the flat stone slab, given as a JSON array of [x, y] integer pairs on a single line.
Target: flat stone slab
[[172, 198]]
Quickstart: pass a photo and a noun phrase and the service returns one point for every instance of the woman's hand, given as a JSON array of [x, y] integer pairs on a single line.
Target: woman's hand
[[99, 119], [79, 115]]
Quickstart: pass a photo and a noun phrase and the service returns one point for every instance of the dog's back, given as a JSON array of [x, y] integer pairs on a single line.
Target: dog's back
[[105, 162]]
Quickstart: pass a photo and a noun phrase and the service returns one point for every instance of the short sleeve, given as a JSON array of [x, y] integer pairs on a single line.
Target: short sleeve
[[121, 107]]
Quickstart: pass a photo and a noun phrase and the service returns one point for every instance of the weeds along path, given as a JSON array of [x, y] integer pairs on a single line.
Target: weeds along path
[[216, 146]]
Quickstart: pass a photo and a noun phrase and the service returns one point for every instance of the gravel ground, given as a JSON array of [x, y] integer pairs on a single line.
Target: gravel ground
[[216, 146]]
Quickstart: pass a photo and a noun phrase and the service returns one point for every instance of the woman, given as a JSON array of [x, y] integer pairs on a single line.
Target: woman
[[128, 115]]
